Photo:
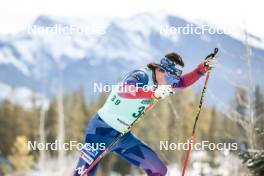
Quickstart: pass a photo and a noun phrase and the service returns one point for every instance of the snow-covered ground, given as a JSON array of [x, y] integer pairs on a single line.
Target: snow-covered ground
[[226, 164]]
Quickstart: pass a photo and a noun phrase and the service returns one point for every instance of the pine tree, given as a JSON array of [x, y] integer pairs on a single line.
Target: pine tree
[[20, 156], [259, 112], [254, 160], [51, 124], [77, 116], [13, 119]]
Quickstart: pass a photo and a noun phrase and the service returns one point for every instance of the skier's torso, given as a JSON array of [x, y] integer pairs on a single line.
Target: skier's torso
[[120, 112]]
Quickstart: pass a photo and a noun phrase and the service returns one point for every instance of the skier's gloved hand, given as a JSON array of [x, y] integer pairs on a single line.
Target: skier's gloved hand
[[163, 91], [210, 62]]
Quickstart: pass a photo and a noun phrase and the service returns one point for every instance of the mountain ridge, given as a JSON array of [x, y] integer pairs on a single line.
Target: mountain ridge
[[28, 60]]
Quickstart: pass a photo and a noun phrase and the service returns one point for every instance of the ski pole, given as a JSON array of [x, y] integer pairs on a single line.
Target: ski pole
[[198, 113], [107, 150]]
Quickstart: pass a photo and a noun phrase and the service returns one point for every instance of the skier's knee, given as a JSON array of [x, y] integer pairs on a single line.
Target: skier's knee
[[163, 170], [160, 171]]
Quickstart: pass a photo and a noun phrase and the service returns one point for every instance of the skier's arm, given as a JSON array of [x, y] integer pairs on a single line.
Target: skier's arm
[[133, 86], [189, 78], [133, 92]]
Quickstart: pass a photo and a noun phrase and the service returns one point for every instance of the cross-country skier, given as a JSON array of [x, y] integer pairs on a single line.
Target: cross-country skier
[[123, 107]]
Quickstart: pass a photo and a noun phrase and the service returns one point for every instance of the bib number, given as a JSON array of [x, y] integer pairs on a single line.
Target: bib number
[[115, 100], [140, 112]]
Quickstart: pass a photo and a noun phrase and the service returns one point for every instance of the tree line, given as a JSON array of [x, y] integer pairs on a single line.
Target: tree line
[[171, 121]]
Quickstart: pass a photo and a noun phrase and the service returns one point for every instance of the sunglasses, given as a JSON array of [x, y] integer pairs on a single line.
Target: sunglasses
[[170, 68]]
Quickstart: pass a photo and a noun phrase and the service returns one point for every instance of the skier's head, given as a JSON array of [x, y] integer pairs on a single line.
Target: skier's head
[[169, 69]]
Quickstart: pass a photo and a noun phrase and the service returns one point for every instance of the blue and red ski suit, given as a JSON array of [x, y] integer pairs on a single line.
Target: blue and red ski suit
[[130, 147]]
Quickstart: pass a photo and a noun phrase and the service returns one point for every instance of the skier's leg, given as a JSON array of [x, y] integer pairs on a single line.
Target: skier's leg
[[98, 132], [138, 153], [81, 166], [87, 156]]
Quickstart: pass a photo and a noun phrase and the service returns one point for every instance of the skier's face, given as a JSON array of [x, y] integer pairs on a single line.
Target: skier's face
[[164, 78], [161, 77]]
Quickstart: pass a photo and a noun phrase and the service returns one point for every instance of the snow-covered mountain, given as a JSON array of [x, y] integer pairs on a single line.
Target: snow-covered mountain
[[41, 61]]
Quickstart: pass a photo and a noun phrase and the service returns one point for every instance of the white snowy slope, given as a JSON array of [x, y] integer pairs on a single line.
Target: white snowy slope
[[122, 36], [234, 31], [29, 50]]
